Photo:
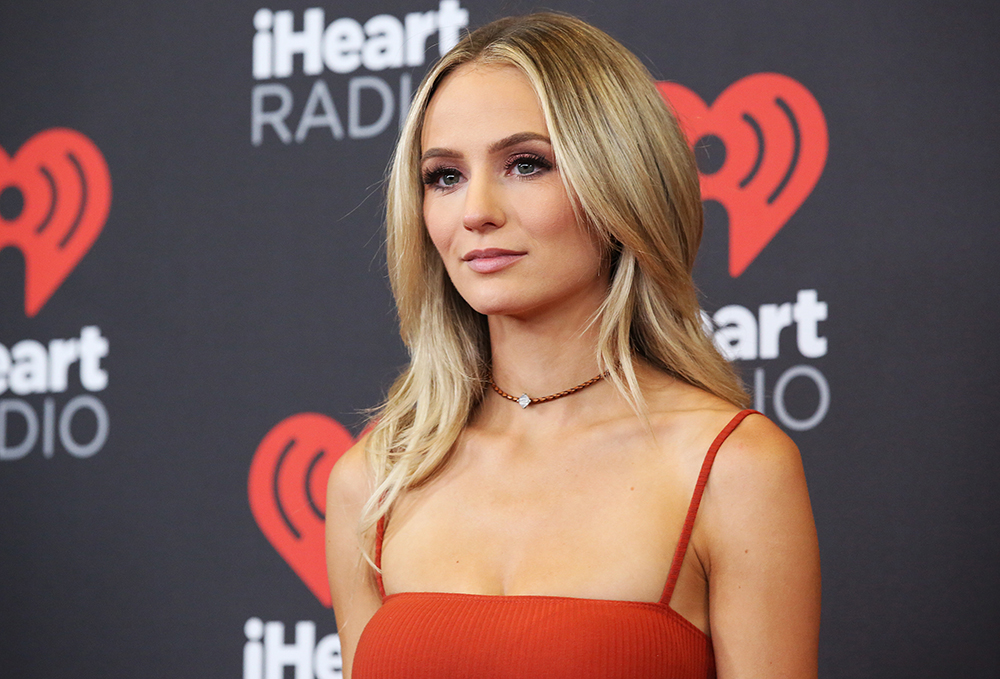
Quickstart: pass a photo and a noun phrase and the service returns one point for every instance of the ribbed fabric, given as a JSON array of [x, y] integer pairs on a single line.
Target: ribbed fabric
[[438, 635]]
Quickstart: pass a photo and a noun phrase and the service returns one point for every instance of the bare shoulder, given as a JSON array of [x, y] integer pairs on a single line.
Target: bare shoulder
[[758, 541], [760, 441], [688, 419], [757, 458], [350, 479], [354, 595], [347, 491], [757, 486]]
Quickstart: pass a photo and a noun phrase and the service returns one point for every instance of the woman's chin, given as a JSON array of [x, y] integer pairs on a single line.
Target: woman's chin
[[527, 306], [500, 305], [496, 308]]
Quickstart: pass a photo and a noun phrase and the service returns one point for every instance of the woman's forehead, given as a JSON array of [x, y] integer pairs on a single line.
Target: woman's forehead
[[480, 103]]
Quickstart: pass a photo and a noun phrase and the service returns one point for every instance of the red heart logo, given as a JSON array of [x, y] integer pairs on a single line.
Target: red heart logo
[[287, 489], [776, 143], [61, 189]]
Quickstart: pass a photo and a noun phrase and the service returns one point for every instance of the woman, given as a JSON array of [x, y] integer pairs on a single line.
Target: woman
[[543, 219]]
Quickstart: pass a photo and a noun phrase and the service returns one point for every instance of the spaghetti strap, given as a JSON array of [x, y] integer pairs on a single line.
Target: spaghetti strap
[[379, 534], [692, 513]]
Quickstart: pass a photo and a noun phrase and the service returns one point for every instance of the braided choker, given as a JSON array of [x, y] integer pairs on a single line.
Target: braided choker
[[524, 400]]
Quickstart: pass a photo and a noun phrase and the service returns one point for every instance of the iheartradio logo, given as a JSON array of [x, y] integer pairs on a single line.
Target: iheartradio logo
[[776, 143], [287, 488], [55, 194]]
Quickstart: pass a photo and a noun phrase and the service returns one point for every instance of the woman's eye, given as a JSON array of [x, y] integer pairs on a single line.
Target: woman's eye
[[528, 166], [443, 179]]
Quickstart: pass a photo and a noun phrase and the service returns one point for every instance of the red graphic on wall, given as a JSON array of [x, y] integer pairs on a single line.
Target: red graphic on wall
[[55, 194], [776, 142], [287, 488]]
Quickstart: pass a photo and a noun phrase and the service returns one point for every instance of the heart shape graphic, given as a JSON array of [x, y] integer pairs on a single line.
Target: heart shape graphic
[[287, 489], [776, 144], [61, 189]]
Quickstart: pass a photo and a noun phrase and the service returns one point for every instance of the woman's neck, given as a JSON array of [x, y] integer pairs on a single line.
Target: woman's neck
[[542, 356]]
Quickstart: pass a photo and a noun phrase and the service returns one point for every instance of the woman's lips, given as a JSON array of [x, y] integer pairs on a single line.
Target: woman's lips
[[491, 260]]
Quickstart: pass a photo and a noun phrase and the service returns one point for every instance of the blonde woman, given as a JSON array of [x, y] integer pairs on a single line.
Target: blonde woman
[[562, 483]]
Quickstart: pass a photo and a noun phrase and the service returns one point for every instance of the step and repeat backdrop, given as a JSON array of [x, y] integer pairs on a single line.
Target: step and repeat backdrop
[[194, 312]]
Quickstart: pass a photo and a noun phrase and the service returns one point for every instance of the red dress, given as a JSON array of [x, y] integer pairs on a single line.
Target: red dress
[[441, 635]]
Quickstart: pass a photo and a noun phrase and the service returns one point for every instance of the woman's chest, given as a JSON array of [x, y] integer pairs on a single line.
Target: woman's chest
[[600, 529]]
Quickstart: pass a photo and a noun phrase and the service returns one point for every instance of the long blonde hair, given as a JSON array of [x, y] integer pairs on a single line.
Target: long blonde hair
[[633, 178]]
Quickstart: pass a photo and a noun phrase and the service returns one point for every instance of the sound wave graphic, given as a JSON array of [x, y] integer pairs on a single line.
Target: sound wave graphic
[[287, 491], [776, 143], [61, 190]]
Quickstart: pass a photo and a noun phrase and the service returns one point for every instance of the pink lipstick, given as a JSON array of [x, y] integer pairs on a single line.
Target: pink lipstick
[[491, 260]]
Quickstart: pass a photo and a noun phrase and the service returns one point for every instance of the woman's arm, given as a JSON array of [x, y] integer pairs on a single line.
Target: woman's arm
[[355, 596], [762, 557]]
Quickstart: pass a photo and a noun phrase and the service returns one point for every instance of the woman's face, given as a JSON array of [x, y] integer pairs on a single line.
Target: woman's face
[[494, 203]]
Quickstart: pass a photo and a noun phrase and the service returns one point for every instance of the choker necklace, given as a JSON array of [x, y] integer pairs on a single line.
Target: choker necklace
[[524, 400]]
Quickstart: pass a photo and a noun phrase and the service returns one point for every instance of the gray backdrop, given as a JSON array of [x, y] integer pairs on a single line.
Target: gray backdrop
[[164, 339]]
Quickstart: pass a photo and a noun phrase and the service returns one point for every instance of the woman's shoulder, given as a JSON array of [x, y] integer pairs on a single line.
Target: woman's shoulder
[[750, 447], [353, 590], [756, 541], [754, 454], [749, 443], [350, 479], [757, 482]]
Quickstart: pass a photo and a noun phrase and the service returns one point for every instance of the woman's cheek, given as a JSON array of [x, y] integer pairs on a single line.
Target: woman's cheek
[[441, 242], [432, 222]]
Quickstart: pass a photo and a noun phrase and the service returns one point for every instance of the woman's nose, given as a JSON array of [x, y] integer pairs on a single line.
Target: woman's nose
[[483, 205]]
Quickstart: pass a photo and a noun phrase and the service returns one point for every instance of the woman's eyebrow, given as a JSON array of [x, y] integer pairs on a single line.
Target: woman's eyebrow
[[505, 143], [517, 138], [439, 153]]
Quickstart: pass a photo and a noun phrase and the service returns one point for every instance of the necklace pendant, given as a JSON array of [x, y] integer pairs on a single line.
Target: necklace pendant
[[524, 400]]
